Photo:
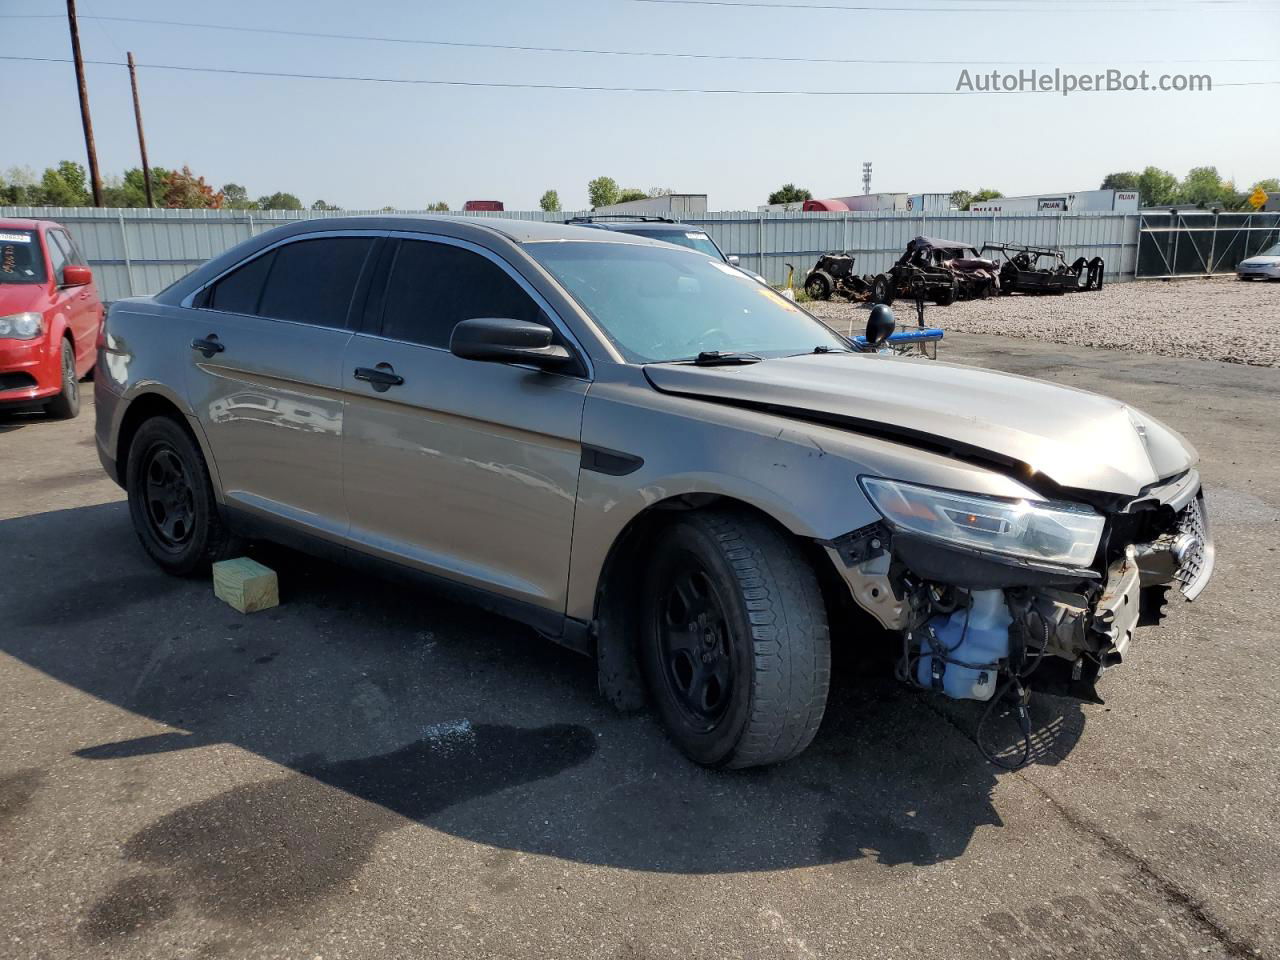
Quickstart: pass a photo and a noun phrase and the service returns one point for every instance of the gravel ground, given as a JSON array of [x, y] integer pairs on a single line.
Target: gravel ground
[[1220, 319]]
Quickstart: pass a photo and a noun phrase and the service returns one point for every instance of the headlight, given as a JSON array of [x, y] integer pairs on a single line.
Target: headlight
[[21, 326], [1063, 534]]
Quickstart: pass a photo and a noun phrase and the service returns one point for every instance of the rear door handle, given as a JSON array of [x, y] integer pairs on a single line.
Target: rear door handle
[[208, 345], [381, 377]]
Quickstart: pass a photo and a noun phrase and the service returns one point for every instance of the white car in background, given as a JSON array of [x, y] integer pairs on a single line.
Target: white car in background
[[1265, 266]]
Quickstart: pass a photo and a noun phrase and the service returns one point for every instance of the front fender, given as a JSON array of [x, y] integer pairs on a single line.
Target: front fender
[[803, 475]]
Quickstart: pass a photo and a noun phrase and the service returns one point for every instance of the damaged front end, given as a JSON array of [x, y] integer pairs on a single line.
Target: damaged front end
[[995, 597]]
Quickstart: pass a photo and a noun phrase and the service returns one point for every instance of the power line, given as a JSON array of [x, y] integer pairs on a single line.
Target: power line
[[557, 86], [865, 8], [529, 48]]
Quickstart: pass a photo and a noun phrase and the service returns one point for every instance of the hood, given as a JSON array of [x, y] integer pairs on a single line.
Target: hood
[[1261, 262], [1075, 438], [23, 297]]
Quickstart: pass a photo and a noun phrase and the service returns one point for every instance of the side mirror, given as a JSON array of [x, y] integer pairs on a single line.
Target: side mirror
[[734, 260], [503, 340], [74, 275], [880, 325]]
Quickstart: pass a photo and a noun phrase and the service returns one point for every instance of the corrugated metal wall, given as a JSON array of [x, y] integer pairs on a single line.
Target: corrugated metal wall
[[138, 252]]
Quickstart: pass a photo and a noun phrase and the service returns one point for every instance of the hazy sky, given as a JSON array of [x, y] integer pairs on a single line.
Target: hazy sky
[[366, 145]]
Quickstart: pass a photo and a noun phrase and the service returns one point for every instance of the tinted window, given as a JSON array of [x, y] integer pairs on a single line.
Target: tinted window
[[57, 258], [312, 281], [241, 289], [433, 286]]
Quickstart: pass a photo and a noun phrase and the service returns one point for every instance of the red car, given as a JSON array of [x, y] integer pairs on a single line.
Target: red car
[[50, 317]]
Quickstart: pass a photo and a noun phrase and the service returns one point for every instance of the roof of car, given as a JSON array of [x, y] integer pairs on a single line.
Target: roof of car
[[631, 224], [519, 231], [24, 223]]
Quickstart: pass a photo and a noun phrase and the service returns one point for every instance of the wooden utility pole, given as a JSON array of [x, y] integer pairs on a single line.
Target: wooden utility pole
[[142, 141], [84, 105]]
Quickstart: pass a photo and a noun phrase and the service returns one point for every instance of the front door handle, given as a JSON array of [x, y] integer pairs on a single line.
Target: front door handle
[[208, 345], [381, 377]]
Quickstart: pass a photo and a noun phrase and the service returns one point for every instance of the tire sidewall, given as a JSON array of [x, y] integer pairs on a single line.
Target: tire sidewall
[[714, 747], [194, 555], [66, 404]]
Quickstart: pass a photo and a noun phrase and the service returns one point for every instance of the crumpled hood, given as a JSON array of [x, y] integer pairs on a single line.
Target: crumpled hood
[[1075, 438]]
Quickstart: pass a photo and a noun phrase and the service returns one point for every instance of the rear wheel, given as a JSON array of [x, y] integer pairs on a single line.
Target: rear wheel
[[735, 645], [171, 500], [67, 403]]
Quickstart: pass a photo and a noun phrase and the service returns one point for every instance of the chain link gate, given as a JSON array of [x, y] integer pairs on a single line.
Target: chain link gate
[[1200, 243]]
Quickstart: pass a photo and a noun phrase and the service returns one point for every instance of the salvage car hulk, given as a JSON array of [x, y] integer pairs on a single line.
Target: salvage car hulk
[[647, 456]]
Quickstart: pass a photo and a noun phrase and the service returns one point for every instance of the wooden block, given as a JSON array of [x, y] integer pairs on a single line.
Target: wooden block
[[245, 584]]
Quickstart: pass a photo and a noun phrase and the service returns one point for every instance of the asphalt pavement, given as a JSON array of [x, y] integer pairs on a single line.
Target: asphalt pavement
[[370, 770]]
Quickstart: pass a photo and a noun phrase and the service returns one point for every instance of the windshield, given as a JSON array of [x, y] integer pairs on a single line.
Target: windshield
[[693, 239], [1271, 251], [659, 304], [20, 257]]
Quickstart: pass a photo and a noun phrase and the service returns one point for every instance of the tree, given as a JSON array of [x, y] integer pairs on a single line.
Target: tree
[[789, 193], [550, 201], [602, 191], [1204, 187], [660, 191], [184, 189], [983, 193], [279, 201], [629, 194], [960, 199], [440, 206], [131, 191], [1269, 185], [1156, 187], [64, 185], [321, 205], [1124, 180], [236, 197], [19, 187]]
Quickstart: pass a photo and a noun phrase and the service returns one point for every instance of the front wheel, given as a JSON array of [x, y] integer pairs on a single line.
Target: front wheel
[[735, 645], [171, 500], [67, 403]]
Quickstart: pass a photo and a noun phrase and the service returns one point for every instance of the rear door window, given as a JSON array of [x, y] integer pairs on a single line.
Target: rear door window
[[241, 289], [434, 286], [308, 281]]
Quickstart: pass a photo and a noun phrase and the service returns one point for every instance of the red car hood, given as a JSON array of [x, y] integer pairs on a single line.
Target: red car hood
[[22, 297]]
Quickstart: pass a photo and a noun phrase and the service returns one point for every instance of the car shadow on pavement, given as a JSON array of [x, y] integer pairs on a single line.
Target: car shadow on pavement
[[386, 706]]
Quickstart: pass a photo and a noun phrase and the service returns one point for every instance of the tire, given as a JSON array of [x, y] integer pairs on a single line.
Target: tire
[[66, 404], [744, 683], [177, 523], [882, 291], [818, 286], [946, 296]]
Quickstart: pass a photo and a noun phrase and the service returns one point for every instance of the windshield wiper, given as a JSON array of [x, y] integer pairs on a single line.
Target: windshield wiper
[[716, 358]]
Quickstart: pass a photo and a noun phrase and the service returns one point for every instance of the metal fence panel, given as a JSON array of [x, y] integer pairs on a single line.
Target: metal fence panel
[[138, 252]]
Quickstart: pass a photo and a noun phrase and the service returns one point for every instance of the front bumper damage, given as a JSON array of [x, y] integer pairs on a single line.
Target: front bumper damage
[[968, 620]]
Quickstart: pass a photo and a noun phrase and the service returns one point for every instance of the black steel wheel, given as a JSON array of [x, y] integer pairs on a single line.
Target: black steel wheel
[[67, 403], [171, 500], [734, 644], [693, 636]]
